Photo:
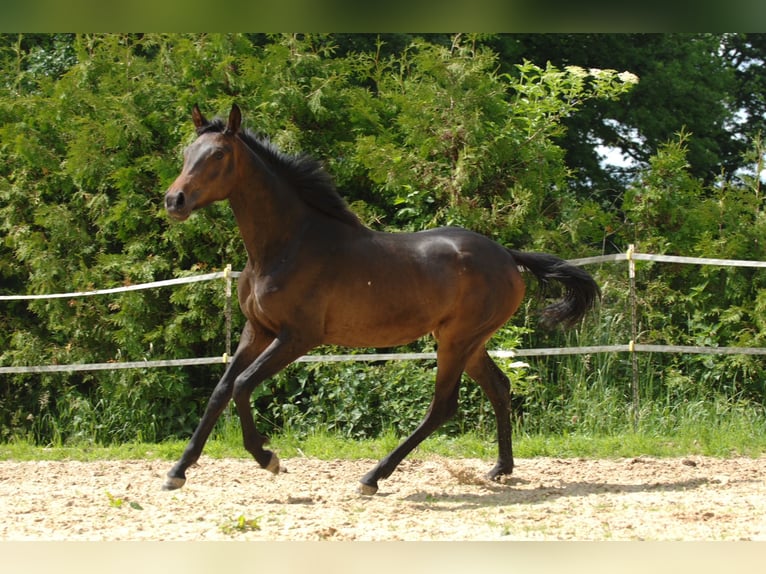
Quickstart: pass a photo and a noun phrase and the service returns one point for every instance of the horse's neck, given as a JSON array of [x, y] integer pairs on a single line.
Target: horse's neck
[[269, 219]]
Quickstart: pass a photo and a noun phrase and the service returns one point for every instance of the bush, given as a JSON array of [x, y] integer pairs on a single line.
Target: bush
[[91, 133]]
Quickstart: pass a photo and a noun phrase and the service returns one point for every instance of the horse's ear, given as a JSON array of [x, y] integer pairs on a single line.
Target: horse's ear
[[197, 117], [235, 119]]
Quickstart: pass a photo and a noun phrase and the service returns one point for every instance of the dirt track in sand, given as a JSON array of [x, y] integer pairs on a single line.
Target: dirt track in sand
[[695, 498]]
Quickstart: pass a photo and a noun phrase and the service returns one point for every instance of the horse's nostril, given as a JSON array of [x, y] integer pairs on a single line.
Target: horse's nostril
[[175, 200]]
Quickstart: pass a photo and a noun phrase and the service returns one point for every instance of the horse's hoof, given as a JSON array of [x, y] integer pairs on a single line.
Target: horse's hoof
[[273, 465], [173, 483], [367, 489], [499, 472]]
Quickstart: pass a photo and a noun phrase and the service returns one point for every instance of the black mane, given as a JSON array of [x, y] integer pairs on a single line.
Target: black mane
[[307, 175]]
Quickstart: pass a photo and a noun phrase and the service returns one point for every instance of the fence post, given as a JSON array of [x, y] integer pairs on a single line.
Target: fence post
[[633, 332], [227, 311]]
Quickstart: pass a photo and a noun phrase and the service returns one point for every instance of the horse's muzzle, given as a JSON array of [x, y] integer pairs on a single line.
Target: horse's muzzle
[[177, 205]]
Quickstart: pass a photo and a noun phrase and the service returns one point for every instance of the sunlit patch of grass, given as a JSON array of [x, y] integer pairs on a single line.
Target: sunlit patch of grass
[[240, 524], [699, 428], [119, 502]]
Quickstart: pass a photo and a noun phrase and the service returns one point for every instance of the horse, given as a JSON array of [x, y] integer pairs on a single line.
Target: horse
[[315, 275]]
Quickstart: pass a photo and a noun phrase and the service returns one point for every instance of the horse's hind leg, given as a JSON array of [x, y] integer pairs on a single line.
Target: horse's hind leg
[[482, 369], [443, 407]]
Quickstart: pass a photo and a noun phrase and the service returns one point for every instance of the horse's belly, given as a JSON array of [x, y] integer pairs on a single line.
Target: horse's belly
[[379, 323], [381, 338]]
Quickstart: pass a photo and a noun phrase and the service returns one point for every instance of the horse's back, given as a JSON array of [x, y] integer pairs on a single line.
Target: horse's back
[[390, 288]]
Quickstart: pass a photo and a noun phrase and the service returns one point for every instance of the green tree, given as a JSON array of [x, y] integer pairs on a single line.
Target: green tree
[[668, 210], [688, 81]]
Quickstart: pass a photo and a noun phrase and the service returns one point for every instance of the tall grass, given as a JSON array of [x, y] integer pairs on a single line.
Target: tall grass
[[743, 434], [587, 414]]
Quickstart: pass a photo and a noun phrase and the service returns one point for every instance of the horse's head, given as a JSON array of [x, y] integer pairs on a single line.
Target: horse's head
[[208, 173]]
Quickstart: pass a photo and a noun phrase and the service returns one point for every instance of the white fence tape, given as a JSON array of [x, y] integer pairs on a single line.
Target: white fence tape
[[360, 357], [111, 366], [137, 287], [667, 259], [370, 357], [376, 357]]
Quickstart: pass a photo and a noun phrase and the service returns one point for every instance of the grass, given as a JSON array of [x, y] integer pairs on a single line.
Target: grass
[[713, 428], [240, 524], [719, 442]]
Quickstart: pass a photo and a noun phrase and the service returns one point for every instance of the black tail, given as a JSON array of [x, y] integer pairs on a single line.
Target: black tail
[[580, 290]]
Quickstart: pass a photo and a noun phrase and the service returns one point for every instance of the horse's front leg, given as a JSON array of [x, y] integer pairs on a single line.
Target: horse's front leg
[[249, 348], [281, 352]]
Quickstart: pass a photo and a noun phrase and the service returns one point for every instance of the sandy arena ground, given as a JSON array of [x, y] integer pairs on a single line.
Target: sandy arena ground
[[694, 498]]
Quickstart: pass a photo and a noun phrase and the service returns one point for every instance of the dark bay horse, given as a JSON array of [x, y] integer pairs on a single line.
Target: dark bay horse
[[315, 275]]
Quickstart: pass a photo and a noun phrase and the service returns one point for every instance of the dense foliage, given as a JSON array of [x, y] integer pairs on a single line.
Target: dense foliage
[[417, 133]]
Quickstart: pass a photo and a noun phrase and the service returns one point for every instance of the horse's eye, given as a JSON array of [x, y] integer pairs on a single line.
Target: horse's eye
[[218, 154]]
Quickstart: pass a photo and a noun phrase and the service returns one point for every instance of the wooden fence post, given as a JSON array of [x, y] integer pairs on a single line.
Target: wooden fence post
[[633, 332], [227, 311]]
